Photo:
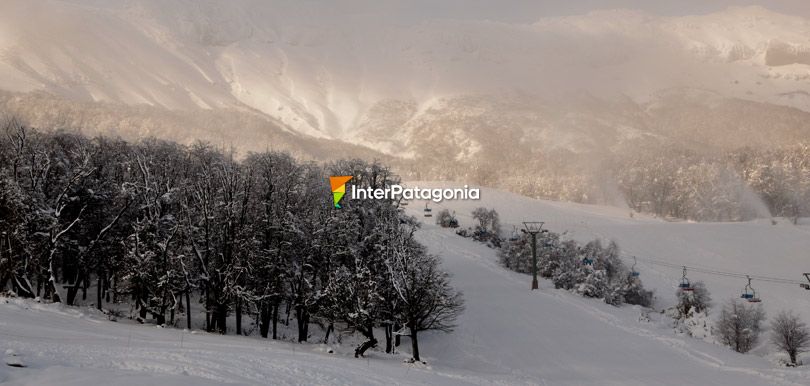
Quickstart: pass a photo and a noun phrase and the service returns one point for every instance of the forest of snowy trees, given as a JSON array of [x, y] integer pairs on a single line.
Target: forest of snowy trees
[[663, 179], [177, 231], [733, 186]]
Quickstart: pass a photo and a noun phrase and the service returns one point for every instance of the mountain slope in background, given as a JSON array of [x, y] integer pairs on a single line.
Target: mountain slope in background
[[548, 108], [336, 73]]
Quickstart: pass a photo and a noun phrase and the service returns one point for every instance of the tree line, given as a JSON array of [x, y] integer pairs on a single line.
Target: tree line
[[169, 227], [732, 186], [666, 180]]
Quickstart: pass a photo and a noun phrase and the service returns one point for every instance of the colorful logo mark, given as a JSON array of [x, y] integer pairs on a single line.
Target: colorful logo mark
[[338, 188]]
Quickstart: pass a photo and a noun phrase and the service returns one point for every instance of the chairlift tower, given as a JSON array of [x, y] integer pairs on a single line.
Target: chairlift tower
[[533, 228]]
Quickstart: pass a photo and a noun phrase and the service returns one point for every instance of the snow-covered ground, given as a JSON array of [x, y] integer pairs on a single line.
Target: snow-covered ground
[[759, 247], [507, 335]]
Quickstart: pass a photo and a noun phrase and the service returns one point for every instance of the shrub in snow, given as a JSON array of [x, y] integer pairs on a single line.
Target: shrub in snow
[[615, 295], [740, 325], [516, 255], [697, 325], [488, 228], [464, 232], [595, 284], [446, 220], [568, 273], [634, 293]]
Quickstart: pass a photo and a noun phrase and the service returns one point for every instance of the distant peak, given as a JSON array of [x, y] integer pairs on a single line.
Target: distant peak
[[753, 11]]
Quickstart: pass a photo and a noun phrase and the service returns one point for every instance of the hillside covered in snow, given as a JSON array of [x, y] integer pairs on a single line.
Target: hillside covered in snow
[[507, 335]]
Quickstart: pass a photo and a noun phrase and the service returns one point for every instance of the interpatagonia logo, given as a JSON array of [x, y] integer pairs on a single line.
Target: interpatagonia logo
[[395, 192], [338, 184]]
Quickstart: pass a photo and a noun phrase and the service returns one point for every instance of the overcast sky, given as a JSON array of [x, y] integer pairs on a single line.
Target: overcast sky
[[531, 10]]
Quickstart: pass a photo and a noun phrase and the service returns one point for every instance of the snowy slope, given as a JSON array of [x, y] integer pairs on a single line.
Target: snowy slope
[[507, 335], [755, 247], [67, 346], [557, 337]]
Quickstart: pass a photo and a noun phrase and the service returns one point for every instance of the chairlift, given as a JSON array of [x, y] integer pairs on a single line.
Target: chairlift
[[633, 271], [685, 285], [805, 285], [403, 202], [428, 211], [587, 261], [749, 293]]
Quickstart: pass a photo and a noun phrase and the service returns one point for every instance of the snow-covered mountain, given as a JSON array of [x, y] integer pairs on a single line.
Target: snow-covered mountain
[[369, 78]]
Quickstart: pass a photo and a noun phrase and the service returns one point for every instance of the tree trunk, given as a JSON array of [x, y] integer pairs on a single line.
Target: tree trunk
[[264, 319], [238, 317], [208, 326], [142, 310], [368, 332], [99, 290], [221, 316], [389, 332], [329, 330], [361, 351], [302, 317], [160, 319], [275, 321], [85, 284], [415, 345], [397, 337], [793, 354], [39, 285], [73, 289], [188, 309], [22, 286], [115, 289]]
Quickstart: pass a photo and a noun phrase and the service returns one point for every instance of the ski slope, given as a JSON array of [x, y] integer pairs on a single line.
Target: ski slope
[[508, 335], [759, 247], [68, 346], [553, 337]]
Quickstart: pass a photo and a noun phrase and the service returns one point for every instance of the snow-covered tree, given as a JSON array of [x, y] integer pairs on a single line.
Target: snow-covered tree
[[696, 300], [428, 302], [790, 335], [740, 325]]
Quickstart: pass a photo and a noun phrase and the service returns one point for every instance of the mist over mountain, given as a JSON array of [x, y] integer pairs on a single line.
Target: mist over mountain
[[485, 101]]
